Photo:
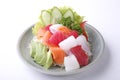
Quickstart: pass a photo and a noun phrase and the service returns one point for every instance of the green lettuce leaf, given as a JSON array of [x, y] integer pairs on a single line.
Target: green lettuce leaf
[[40, 54], [66, 21], [36, 27], [49, 60]]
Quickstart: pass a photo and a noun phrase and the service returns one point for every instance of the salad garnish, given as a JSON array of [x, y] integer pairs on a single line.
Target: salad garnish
[[60, 39]]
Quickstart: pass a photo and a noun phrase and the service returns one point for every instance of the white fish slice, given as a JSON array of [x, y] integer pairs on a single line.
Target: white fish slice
[[55, 27], [68, 43], [71, 63], [81, 40]]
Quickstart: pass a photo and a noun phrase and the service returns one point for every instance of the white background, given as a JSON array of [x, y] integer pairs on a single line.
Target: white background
[[17, 15]]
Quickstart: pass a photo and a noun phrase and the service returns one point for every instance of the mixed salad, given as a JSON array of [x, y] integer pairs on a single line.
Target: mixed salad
[[60, 39]]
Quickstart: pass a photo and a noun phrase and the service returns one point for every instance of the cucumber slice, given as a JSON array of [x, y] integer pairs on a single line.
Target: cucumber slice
[[78, 18], [56, 15], [46, 17], [69, 13]]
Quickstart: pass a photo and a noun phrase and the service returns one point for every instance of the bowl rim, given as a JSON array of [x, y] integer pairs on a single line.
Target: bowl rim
[[85, 68]]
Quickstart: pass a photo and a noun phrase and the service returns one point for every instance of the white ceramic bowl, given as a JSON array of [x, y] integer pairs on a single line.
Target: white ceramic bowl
[[95, 39]]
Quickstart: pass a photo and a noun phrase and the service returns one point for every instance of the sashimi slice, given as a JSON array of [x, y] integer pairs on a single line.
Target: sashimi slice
[[74, 33], [65, 30], [68, 43], [46, 37], [41, 33], [81, 40], [80, 54], [54, 28], [48, 27], [71, 63], [68, 52], [58, 55], [57, 37]]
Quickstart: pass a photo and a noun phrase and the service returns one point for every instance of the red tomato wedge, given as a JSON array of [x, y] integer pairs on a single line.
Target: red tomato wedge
[[80, 54], [58, 55]]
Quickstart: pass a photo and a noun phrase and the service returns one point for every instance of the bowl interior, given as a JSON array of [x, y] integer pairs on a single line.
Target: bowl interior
[[95, 39]]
